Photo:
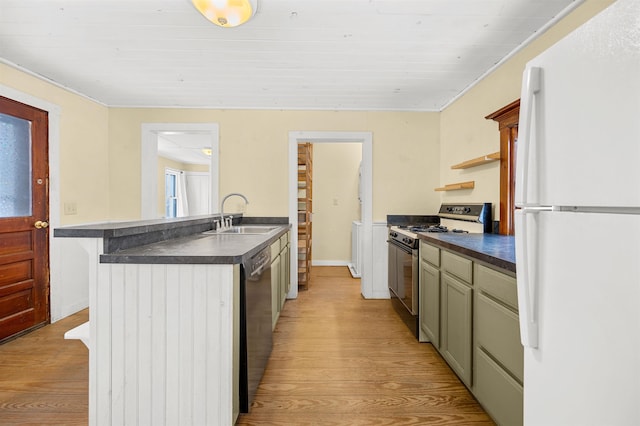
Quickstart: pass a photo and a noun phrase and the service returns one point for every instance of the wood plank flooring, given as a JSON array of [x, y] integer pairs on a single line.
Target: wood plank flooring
[[44, 378], [341, 360], [337, 360]]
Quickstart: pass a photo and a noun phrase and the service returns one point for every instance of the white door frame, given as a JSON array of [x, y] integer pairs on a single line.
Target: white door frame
[[366, 139], [149, 161]]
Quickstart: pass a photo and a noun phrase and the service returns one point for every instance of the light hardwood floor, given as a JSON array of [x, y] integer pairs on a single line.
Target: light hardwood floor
[[44, 378], [337, 360], [341, 360]]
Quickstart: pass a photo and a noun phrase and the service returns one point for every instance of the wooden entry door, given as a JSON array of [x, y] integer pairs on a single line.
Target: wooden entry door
[[24, 211]]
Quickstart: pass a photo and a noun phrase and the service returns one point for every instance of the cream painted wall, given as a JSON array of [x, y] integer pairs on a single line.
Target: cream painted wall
[[335, 199], [84, 170], [78, 174], [412, 151], [254, 149], [167, 162], [465, 134]]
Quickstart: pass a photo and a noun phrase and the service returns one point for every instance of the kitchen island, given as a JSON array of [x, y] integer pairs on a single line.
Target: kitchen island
[[164, 310]]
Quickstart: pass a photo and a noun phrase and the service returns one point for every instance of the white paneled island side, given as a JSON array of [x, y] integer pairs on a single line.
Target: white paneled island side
[[165, 317]]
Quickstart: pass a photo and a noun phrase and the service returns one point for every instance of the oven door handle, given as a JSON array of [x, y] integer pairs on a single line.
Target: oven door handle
[[404, 248]]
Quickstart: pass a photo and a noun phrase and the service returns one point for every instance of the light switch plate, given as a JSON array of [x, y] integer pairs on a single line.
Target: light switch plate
[[70, 208]]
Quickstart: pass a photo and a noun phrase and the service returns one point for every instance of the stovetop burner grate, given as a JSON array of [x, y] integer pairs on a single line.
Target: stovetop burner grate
[[430, 229], [427, 228]]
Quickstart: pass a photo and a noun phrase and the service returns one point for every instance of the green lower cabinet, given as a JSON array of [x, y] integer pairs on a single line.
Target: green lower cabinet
[[498, 393], [280, 276], [285, 281], [456, 316], [275, 290], [429, 292], [498, 355], [275, 282], [469, 312]]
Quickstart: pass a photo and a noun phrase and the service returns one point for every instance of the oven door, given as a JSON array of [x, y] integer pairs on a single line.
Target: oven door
[[403, 275]]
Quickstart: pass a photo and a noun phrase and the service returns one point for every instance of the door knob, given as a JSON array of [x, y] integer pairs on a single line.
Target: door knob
[[41, 224]]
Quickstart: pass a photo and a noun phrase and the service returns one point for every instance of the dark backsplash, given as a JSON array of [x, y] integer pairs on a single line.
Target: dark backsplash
[[396, 220]]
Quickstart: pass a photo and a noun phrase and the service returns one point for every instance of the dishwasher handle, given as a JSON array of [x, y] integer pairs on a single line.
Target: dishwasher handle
[[259, 262]]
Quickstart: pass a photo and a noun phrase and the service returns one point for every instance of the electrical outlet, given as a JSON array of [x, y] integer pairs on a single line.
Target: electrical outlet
[[70, 208]]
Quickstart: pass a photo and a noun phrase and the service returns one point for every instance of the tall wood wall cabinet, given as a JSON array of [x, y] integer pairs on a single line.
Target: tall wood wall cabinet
[[507, 119], [305, 209]]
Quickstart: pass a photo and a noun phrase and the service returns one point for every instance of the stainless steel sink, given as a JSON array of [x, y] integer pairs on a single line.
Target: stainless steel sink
[[244, 230]]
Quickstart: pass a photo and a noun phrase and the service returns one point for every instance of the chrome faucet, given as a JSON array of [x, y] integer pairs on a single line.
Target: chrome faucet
[[230, 222]]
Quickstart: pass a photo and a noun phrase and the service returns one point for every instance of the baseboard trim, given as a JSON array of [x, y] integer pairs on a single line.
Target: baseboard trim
[[329, 263], [354, 272]]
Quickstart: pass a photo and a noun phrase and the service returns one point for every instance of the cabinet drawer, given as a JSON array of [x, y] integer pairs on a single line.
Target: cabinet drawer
[[497, 331], [457, 266], [430, 254], [498, 285], [498, 392], [284, 240], [275, 249]]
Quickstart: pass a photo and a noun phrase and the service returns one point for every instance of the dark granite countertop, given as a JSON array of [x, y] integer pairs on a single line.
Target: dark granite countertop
[[176, 241], [198, 249], [121, 229], [493, 249]]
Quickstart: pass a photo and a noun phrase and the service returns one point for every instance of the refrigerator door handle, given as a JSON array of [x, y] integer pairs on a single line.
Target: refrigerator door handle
[[527, 269], [531, 87]]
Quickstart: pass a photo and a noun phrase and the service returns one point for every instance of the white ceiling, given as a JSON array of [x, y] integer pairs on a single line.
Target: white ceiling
[[294, 54], [185, 147]]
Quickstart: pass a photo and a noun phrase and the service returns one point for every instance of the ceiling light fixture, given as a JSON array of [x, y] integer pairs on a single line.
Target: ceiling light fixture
[[227, 13]]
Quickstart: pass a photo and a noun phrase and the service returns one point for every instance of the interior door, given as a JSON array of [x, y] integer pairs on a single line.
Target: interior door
[[198, 192], [24, 209]]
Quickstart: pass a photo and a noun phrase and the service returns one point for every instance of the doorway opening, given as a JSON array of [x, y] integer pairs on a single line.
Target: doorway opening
[[366, 141], [186, 147]]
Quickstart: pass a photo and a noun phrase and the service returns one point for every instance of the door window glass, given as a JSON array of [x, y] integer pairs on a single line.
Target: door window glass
[[15, 167]]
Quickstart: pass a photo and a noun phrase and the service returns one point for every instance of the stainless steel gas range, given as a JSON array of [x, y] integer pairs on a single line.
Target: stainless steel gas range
[[403, 250]]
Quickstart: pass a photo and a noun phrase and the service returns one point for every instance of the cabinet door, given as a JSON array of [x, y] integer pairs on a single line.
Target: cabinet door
[[429, 304], [284, 275], [275, 290], [288, 270], [456, 326]]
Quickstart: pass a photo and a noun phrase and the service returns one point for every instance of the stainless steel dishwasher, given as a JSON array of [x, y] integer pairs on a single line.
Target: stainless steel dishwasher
[[256, 338]]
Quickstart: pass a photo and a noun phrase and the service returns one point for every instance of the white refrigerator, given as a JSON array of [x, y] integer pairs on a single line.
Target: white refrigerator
[[578, 225]]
